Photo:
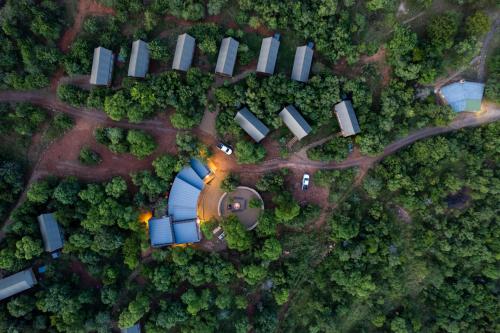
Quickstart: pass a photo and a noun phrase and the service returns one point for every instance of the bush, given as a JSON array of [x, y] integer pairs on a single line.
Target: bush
[[72, 95], [141, 143], [477, 24], [230, 183], [248, 153], [63, 122], [89, 157]]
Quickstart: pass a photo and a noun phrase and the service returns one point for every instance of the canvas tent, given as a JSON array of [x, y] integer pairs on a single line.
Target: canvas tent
[[250, 124], [227, 56], [347, 118], [102, 67], [17, 283], [184, 51], [139, 59], [268, 55], [295, 122], [302, 63], [51, 233]]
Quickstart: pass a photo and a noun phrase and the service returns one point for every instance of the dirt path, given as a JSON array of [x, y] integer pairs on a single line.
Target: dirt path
[[481, 72], [85, 8]]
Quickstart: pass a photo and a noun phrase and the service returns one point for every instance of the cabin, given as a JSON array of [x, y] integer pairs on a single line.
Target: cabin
[[184, 52], [17, 283], [51, 233], [295, 122], [102, 67], [250, 124], [302, 63], [268, 54], [227, 57], [139, 59], [463, 96], [347, 118]]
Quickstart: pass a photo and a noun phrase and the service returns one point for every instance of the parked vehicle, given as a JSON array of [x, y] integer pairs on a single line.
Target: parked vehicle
[[305, 181], [225, 148]]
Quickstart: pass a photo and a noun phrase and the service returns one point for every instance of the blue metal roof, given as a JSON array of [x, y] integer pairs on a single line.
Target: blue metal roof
[[463, 96], [189, 175], [186, 232], [160, 231], [183, 200], [200, 168]]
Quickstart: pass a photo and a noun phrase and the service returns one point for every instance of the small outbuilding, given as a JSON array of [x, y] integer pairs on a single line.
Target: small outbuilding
[[463, 96], [51, 233], [347, 118], [227, 56], [268, 54], [139, 59], [302, 63], [184, 52], [102, 67], [17, 283], [250, 124], [133, 329], [161, 232], [295, 122]]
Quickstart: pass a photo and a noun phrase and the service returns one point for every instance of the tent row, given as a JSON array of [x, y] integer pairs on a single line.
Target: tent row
[[296, 123], [103, 61]]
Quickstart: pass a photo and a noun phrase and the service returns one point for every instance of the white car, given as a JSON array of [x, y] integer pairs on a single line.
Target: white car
[[305, 181], [225, 148]]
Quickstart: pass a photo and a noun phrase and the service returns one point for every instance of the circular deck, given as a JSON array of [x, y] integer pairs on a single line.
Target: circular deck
[[238, 203]]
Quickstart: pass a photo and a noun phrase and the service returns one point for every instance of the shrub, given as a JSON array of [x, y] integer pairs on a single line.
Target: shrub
[[89, 157]]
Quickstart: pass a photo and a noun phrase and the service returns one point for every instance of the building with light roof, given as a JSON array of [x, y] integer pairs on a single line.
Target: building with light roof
[[250, 124], [295, 122], [268, 54], [102, 67], [227, 57], [302, 63], [139, 59], [347, 118], [184, 52], [17, 283]]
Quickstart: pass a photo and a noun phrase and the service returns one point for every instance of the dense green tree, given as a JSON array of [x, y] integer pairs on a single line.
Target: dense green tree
[[39, 192], [134, 312], [237, 237], [249, 153], [89, 157], [477, 24]]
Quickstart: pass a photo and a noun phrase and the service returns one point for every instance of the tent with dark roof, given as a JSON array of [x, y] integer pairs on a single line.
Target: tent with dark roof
[[184, 52], [102, 67], [139, 59], [250, 124], [295, 122]]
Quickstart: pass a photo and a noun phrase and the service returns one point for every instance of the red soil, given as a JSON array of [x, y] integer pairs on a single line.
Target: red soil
[[61, 158], [380, 59], [85, 8], [87, 280]]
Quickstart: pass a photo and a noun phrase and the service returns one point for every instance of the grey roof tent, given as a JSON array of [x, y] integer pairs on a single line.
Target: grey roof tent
[[184, 51], [133, 329], [227, 56], [139, 59], [17, 283], [102, 67], [295, 122], [51, 234], [250, 124], [268, 54], [302, 63], [347, 118]]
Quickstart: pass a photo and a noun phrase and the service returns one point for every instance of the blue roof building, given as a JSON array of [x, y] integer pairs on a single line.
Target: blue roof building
[[181, 224], [186, 232], [160, 231], [463, 96]]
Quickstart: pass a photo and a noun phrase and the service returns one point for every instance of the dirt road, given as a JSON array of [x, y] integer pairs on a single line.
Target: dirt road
[[85, 8]]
